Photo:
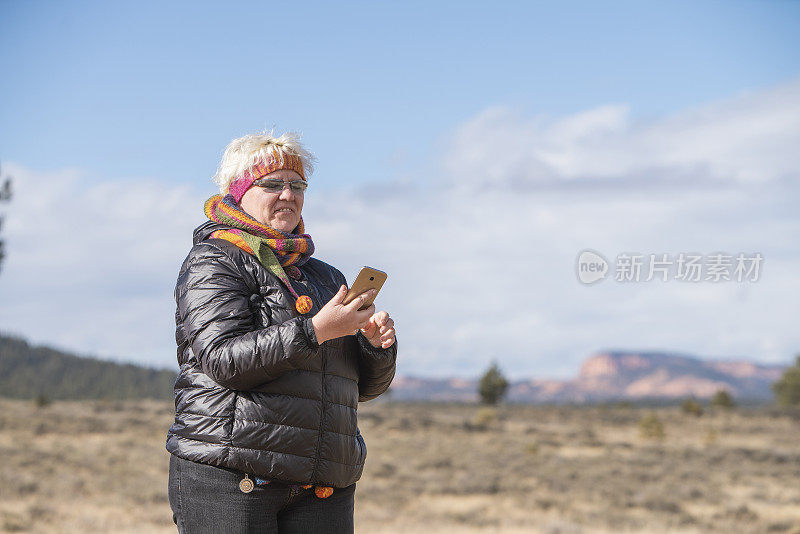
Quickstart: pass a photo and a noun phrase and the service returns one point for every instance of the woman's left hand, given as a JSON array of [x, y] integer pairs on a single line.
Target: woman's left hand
[[379, 330]]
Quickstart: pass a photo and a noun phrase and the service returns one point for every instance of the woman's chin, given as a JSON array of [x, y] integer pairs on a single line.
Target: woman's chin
[[284, 225]]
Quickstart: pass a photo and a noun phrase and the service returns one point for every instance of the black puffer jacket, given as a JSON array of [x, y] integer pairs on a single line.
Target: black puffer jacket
[[256, 392]]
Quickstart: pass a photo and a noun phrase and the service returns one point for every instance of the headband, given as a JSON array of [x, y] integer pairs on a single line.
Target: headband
[[242, 183]]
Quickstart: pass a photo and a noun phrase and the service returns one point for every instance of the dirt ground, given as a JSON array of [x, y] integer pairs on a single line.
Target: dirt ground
[[84, 467]]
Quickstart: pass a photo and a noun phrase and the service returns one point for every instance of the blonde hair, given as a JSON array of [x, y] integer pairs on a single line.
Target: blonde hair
[[244, 152]]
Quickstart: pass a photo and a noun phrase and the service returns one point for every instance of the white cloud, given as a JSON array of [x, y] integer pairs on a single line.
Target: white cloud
[[481, 264], [752, 138], [91, 266]]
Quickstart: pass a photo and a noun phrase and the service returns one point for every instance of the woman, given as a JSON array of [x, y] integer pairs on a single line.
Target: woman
[[272, 363]]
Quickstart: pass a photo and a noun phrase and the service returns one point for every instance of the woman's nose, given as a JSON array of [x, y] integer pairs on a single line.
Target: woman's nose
[[286, 193]]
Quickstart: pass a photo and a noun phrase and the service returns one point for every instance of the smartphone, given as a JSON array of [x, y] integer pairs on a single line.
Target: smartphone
[[368, 278]]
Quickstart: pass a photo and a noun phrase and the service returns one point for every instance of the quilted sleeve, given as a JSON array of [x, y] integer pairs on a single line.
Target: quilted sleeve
[[214, 304], [376, 368]]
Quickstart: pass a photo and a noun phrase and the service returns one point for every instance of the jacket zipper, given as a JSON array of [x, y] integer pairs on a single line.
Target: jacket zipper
[[310, 285]]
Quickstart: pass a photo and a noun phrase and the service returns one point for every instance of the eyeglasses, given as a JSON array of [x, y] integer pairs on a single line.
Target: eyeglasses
[[276, 186]]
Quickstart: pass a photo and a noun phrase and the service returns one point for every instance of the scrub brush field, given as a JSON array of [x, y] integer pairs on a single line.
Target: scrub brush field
[[101, 466]]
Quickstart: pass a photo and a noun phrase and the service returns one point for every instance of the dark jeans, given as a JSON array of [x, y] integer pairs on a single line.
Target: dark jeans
[[206, 499]]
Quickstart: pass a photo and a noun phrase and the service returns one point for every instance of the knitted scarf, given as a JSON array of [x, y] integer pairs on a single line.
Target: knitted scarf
[[279, 252]]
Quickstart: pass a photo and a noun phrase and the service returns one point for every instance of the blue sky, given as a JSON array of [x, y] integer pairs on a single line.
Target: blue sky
[[428, 120], [157, 89]]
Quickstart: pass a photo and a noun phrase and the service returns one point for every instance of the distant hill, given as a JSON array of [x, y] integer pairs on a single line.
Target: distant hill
[[27, 371], [616, 375], [653, 374]]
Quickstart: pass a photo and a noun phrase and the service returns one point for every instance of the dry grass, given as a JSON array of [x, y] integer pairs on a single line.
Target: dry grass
[[102, 467]]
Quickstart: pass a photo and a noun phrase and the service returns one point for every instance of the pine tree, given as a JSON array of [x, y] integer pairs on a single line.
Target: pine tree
[[722, 399], [787, 389], [493, 385], [5, 196]]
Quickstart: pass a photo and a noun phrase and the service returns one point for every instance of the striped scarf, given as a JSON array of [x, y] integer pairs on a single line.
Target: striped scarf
[[279, 252]]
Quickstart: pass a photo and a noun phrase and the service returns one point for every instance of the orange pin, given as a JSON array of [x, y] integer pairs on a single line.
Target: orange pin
[[323, 492], [304, 304]]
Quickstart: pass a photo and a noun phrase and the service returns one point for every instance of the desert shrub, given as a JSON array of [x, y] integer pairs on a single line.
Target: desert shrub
[[691, 406], [711, 437], [42, 401], [384, 470], [14, 522], [493, 385], [40, 512], [651, 427], [484, 417], [787, 389], [722, 399]]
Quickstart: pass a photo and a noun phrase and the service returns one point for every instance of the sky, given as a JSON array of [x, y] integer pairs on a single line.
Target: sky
[[472, 152]]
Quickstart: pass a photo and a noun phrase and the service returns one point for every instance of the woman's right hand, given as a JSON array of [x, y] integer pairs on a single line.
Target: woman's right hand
[[336, 319]]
